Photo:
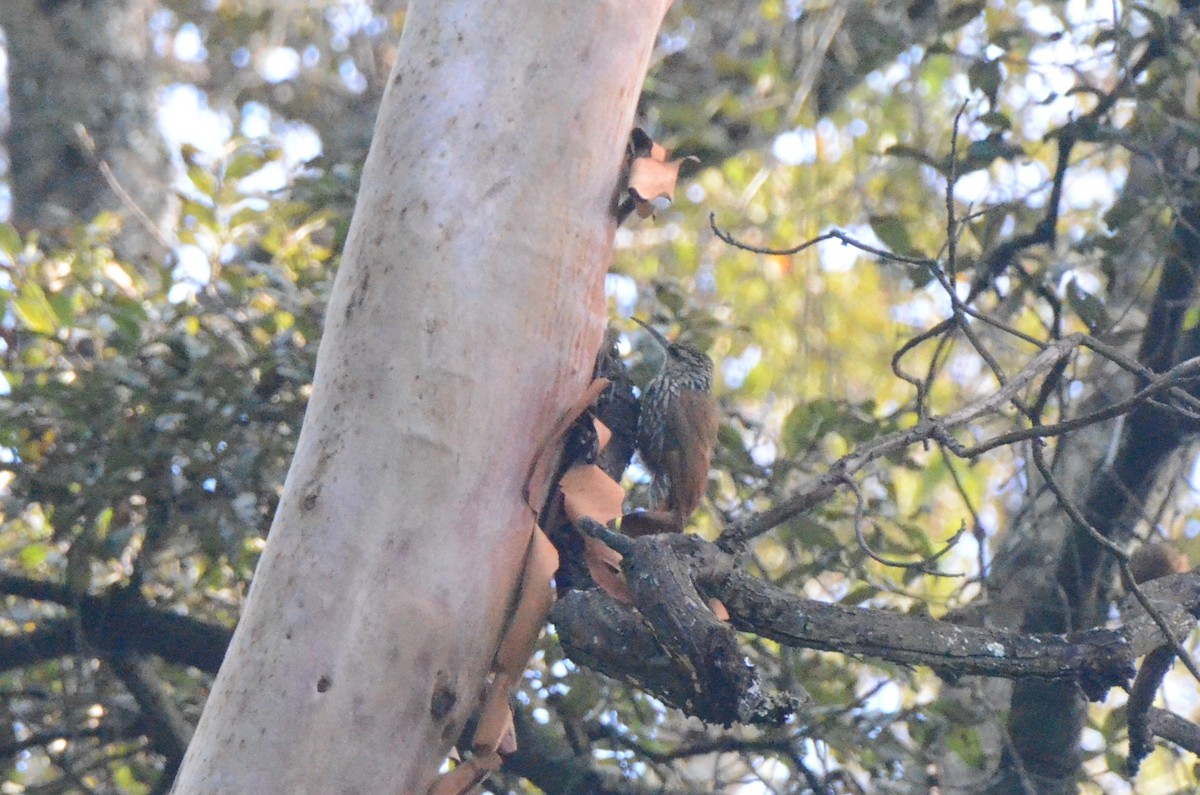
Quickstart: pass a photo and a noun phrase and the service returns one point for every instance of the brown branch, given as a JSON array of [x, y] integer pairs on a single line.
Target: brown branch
[[1141, 699], [628, 642], [1174, 729], [951, 180], [921, 385], [116, 621], [707, 673], [1098, 658], [168, 729], [1135, 367]]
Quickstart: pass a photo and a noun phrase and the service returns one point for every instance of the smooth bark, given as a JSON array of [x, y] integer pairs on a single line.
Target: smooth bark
[[464, 321]]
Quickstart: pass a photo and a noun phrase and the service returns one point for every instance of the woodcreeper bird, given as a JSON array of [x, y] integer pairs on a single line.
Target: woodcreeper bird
[[677, 429]]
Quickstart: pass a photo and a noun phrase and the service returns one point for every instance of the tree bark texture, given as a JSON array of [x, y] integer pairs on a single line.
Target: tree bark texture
[[89, 65], [464, 321]]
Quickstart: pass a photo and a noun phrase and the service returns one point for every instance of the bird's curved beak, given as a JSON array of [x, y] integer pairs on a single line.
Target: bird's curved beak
[[655, 333]]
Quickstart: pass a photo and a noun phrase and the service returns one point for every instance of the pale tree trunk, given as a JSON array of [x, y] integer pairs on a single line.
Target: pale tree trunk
[[88, 66], [463, 323]]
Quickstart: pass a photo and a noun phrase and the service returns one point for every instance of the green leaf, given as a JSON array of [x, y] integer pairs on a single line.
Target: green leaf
[[10, 240], [980, 154], [859, 595], [812, 535], [804, 423], [1191, 318], [1122, 211], [129, 315], [63, 306], [189, 153], [129, 785], [33, 555], [996, 120], [921, 275], [34, 311], [244, 217], [670, 296], [243, 164], [204, 181], [985, 76], [1089, 308], [203, 214], [964, 742], [103, 523], [892, 230]]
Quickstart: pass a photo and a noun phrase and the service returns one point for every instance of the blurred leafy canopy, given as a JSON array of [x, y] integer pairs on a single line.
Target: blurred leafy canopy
[[152, 413]]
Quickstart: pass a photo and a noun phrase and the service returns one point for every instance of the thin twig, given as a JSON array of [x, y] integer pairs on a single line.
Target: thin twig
[[903, 350], [922, 565], [951, 179], [937, 429], [1182, 371], [832, 234], [1134, 366], [89, 145], [976, 524]]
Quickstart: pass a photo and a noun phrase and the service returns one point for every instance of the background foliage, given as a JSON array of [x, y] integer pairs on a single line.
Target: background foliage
[[151, 406]]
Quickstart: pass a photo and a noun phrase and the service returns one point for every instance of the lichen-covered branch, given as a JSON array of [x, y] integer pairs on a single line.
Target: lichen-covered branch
[[641, 643]]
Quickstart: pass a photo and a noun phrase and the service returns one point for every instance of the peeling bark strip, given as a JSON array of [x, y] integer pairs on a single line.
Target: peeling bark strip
[[669, 643]]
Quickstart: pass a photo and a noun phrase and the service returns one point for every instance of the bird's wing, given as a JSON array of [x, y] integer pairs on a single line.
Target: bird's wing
[[692, 428]]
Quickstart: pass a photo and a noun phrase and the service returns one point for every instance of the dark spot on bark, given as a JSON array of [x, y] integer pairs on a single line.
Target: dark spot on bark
[[398, 79], [309, 502], [323, 684], [359, 295], [312, 488], [444, 696], [498, 186], [450, 731]]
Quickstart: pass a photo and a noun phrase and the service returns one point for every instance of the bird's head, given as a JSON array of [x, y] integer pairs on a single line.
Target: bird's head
[[684, 362]]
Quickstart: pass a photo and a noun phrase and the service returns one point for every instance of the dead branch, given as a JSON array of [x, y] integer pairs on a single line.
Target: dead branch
[[641, 643]]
